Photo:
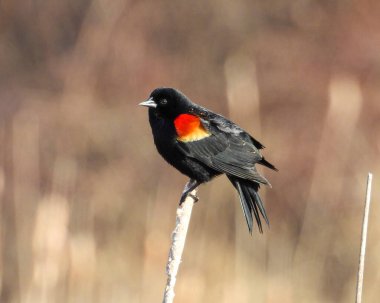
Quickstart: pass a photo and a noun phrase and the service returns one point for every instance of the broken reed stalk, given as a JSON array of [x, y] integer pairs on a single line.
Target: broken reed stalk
[[359, 287], [178, 243]]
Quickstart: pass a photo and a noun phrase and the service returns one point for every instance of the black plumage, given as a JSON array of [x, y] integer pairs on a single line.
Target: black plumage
[[202, 144]]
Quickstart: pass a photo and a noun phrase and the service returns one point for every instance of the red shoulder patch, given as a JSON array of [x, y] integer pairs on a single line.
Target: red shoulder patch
[[190, 128]]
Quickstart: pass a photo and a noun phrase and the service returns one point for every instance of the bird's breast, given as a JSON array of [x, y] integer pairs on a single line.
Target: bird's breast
[[189, 128]]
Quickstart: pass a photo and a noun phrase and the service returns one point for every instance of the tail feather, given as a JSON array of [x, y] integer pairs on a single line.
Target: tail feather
[[253, 207], [246, 206], [260, 204], [251, 202]]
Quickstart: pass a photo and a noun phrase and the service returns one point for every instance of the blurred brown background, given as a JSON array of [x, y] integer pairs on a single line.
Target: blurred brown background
[[87, 204]]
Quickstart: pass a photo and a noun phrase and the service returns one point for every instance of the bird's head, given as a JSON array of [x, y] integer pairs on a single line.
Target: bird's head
[[167, 102]]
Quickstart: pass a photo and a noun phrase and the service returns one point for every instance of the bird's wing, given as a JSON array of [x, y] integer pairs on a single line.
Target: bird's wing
[[227, 126], [227, 152]]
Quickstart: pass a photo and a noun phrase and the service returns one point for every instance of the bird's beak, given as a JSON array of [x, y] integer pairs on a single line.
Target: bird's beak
[[149, 103]]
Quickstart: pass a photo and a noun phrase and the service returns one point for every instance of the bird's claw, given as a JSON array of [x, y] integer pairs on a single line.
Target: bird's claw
[[192, 184], [195, 197], [184, 196]]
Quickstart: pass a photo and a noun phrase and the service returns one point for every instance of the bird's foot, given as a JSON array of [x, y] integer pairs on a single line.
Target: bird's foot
[[189, 187], [185, 195], [195, 197]]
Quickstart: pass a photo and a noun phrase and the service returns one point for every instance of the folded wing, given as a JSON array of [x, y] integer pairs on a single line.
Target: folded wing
[[227, 152]]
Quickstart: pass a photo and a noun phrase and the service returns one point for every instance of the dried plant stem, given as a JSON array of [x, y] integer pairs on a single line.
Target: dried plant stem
[[359, 287], [178, 243]]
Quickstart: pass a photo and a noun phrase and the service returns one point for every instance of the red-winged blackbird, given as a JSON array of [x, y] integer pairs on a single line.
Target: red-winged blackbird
[[202, 145]]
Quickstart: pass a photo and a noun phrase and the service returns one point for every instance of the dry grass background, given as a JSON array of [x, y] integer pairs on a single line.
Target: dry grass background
[[87, 205]]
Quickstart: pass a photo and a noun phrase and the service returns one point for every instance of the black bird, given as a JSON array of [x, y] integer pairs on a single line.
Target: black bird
[[202, 144]]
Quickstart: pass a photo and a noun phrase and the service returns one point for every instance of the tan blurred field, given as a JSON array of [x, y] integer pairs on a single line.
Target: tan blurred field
[[88, 205]]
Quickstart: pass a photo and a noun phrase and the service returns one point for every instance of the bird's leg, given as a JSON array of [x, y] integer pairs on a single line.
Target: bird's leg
[[192, 184]]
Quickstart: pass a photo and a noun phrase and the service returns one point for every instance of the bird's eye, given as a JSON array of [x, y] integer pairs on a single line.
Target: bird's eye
[[163, 102]]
